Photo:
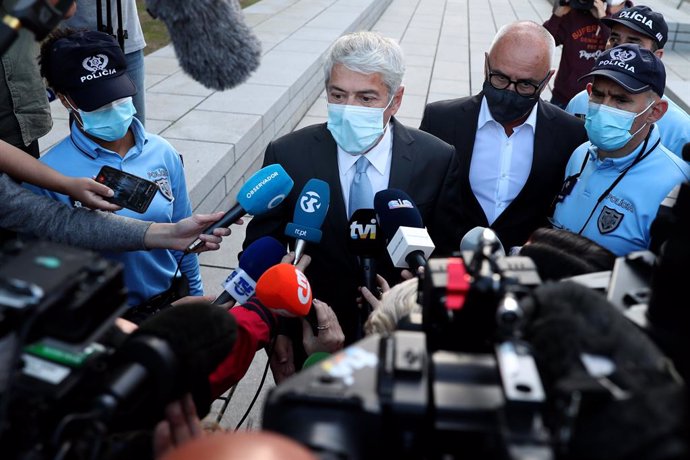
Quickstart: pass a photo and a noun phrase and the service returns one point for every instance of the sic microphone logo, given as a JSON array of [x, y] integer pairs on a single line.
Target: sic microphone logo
[[310, 202], [400, 203], [303, 288], [363, 232]]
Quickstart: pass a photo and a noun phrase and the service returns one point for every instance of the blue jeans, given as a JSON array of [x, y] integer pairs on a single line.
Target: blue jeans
[[135, 68]]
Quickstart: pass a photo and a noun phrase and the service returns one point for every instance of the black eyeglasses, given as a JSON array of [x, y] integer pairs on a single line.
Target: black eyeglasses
[[524, 88]]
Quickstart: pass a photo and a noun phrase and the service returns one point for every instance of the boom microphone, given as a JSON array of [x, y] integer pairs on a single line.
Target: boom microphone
[[409, 244], [254, 261], [170, 354], [310, 212], [212, 42], [264, 190], [285, 290]]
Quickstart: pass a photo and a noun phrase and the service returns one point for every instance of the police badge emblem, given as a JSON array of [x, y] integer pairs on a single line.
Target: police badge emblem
[[609, 220]]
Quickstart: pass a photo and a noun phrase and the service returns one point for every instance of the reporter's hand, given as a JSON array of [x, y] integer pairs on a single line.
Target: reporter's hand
[[369, 296], [181, 425], [599, 9], [282, 360], [183, 233], [303, 263], [330, 338], [90, 193], [562, 10]]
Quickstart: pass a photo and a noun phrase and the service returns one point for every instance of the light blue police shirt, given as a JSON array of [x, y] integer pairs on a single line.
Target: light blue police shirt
[[622, 221], [674, 125], [146, 273]]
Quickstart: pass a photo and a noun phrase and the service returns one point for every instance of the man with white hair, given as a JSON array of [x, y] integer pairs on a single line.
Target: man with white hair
[[512, 145]]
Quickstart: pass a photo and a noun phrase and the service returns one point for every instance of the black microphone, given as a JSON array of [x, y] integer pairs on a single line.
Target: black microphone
[[212, 42], [170, 354], [409, 244], [263, 191], [366, 242]]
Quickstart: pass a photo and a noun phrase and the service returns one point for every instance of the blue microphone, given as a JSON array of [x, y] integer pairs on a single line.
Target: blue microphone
[[259, 256], [409, 244], [310, 212], [265, 190]]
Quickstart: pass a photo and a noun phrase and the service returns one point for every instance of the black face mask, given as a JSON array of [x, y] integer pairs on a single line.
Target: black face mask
[[506, 105]]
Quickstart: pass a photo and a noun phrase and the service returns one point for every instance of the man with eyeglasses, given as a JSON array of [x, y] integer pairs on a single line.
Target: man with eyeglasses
[[512, 145], [615, 183]]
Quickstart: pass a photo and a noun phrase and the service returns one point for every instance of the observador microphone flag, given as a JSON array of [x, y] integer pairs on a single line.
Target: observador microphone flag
[[264, 190]]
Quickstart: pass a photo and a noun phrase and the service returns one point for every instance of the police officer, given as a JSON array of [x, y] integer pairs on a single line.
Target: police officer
[[615, 182], [648, 29]]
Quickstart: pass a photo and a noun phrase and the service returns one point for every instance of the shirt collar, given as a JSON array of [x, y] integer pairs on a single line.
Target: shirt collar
[[485, 116], [377, 156], [92, 149]]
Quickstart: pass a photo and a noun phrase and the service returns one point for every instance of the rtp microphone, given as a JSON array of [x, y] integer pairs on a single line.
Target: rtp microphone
[[259, 256], [212, 42], [285, 290], [310, 212], [409, 244], [170, 354], [366, 242], [264, 190]]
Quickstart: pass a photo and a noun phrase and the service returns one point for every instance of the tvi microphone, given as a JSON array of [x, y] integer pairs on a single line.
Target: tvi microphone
[[264, 190], [259, 256], [366, 242], [409, 244], [310, 212]]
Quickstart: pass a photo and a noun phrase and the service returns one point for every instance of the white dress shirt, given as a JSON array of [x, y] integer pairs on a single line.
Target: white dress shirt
[[379, 171], [500, 164]]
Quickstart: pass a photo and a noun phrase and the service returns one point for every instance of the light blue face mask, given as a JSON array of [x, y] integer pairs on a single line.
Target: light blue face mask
[[609, 128], [109, 122], [356, 129]]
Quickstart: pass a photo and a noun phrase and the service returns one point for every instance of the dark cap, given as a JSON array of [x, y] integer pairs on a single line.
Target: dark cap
[[91, 68], [635, 68], [642, 19]]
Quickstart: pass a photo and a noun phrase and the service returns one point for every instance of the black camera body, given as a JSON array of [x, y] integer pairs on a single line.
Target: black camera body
[[460, 384], [577, 4]]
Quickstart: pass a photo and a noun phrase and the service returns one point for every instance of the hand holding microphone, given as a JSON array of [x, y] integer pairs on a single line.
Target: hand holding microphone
[[264, 190], [409, 244], [310, 212], [259, 256]]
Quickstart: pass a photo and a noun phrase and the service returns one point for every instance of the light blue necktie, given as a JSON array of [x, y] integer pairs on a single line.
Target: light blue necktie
[[361, 195]]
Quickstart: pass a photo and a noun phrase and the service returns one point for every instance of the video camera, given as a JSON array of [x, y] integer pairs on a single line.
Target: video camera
[[460, 383]]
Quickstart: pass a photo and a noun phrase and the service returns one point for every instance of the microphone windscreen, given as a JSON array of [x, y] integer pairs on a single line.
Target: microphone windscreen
[[285, 290], [200, 334], [313, 204], [472, 239], [365, 239], [212, 42], [261, 255], [265, 189], [395, 209]]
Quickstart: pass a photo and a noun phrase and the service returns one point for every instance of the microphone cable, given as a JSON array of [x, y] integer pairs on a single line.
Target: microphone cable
[[269, 355]]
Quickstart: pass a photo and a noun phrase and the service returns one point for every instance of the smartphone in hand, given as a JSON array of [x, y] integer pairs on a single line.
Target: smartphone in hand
[[131, 192]]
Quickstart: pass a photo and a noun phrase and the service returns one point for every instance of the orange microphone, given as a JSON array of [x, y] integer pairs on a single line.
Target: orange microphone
[[284, 289]]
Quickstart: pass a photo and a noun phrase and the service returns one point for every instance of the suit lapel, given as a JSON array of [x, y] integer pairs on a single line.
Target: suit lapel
[[324, 164], [466, 131], [402, 158]]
